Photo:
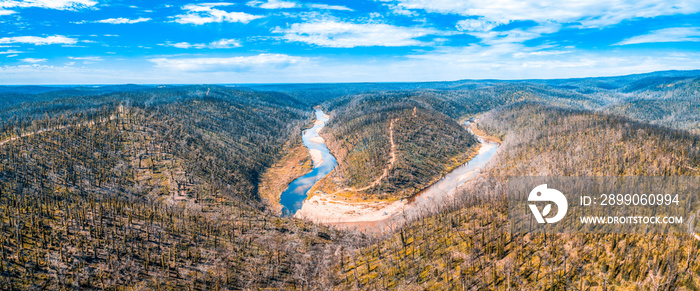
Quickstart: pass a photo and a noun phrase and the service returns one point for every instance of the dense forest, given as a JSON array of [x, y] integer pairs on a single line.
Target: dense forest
[[174, 187]]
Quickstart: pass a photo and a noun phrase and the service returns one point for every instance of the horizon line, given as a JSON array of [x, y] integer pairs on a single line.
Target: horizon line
[[356, 82]]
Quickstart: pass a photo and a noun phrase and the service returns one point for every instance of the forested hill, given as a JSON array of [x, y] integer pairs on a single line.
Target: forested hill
[[667, 98], [153, 188], [426, 145], [78, 100], [468, 246], [231, 133]]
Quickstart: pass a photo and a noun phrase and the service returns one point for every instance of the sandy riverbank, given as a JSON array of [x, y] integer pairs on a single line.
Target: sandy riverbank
[[325, 209], [316, 156], [317, 139]]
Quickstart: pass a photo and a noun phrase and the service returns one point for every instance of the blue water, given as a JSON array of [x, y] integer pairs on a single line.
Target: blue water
[[462, 174], [292, 198]]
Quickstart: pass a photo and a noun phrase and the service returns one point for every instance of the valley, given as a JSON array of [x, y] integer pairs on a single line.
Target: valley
[[323, 163], [319, 145], [393, 185]]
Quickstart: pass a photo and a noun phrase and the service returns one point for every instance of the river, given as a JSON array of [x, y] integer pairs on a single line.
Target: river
[[327, 209], [397, 213], [293, 198], [447, 186], [460, 175]]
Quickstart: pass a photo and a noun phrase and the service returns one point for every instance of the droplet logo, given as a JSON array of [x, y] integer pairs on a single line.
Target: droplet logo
[[542, 193]]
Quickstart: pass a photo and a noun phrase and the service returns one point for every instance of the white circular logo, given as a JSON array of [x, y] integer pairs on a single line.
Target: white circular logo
[[542, 193]]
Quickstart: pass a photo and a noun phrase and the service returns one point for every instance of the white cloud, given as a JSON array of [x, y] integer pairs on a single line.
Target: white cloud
[[207, 13], [201, 6], [33, 60], [475, 25], [329, 7], [6, 12], [520, 62], [342, 34], [68, 74], [454, 63], [515, 36], [400, 10], [85, 60], [227, 64], [219, 44], [225, 43], [272, 4], [49, 4], [37, 40], [673, 34], [183, 45], [122, 20], [10, 52], [591, 13], [89, 59], [539, 53]]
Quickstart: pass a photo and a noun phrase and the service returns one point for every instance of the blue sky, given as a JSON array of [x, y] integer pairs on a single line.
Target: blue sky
[[280, 41]]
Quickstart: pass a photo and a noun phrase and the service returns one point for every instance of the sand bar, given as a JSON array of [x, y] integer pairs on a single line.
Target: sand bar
[[316, 156], [317, 139]]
